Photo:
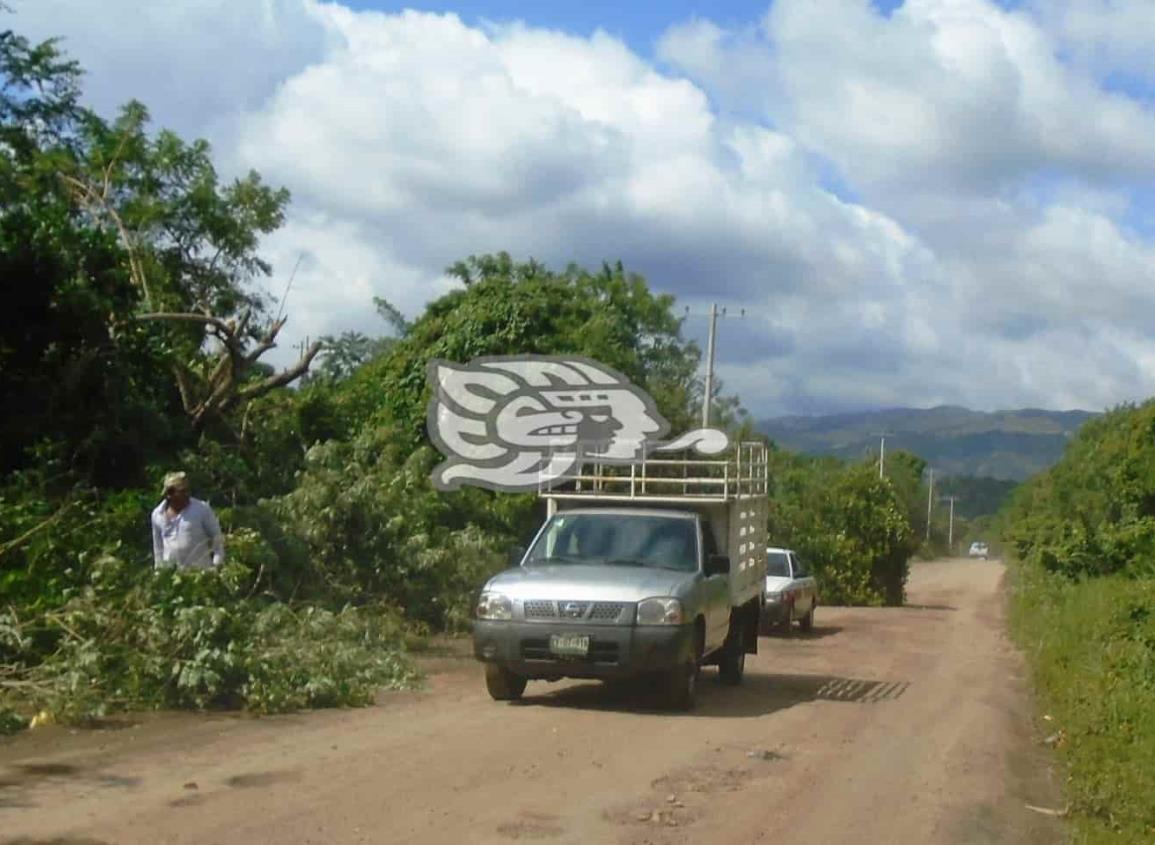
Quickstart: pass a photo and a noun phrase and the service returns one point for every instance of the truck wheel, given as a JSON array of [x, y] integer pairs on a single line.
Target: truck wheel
[[786, 626], [808, 620], [764, 626], [682, 687], [502, 684], [733, 663]]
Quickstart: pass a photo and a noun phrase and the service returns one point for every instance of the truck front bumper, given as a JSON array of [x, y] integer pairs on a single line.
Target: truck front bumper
[[616, 651], [776, 612]]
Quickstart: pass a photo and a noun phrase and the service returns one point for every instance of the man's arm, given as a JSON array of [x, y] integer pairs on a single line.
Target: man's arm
[[213, 529], [157, 542]]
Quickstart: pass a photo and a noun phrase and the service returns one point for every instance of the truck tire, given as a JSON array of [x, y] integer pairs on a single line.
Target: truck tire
[[502, 684], [682, 681], [682, 687], [808, 620], [786, 626], [732, 665]]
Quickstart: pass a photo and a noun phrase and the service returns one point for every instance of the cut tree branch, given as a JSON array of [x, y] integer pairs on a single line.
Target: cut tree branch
[[17, 542], [223, 329], [221, 389], [284, 377]]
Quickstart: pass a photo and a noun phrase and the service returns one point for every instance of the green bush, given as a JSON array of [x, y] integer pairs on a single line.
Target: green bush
[[47, 542], [847, 524], [1091, 646], [373, 525], [193, 640], [1093, 513]]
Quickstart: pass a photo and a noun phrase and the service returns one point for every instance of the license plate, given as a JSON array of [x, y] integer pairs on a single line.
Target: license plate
[[569, 645]]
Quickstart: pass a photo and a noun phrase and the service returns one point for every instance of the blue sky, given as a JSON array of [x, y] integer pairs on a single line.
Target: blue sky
[[639, 24]]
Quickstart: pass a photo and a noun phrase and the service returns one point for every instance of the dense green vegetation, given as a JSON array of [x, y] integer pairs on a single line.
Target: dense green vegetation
[[1083, 537], [976, 498], [856, 531], [133, 346]]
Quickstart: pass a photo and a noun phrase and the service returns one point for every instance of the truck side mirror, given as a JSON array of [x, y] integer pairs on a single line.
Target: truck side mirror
[[515, 555], [717, 565]]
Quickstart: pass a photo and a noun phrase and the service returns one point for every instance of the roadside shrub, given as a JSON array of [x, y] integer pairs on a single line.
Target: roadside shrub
[[48, 542], [850, 527], [373, 525], [1093, 513], [193, 640]]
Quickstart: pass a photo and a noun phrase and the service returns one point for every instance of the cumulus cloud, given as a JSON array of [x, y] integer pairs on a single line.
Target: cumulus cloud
[[959, 94], [972, 246]]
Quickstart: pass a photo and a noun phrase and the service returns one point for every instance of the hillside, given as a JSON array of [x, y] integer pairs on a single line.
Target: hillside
[[1007, 445]]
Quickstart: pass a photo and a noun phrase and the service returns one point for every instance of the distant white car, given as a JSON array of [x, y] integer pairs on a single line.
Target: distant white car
[[980, 550], [791, 592]]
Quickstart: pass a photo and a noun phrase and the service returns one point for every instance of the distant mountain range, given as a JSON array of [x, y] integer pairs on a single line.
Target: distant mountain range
[[1007, 445]]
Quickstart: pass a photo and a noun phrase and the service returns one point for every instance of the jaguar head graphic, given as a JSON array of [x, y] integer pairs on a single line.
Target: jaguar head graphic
[[520, 423]]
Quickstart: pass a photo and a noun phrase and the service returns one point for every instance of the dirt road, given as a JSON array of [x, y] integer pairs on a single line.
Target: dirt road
[[881, 726]]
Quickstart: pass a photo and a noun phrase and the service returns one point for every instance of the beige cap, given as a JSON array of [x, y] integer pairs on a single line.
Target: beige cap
[[179, 479]]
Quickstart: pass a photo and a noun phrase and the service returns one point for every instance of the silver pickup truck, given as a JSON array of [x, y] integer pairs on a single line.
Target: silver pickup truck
[[652, 574]]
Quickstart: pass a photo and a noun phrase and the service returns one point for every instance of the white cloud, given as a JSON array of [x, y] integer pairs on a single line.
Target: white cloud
[[1108, 36], [985, 257], [941, 93]]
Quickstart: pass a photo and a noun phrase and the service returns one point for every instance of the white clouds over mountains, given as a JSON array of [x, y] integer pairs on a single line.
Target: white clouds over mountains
[[921, 207]]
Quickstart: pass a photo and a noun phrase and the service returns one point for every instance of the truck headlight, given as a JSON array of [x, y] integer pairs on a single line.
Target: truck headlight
[[660, 611], [494, 606]]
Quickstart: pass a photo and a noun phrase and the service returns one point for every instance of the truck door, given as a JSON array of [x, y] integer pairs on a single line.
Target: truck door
[[717, 609], [803, 585]]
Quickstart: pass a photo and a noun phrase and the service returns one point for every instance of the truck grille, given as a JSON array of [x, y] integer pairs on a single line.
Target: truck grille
[[600, 652], [580, 611], [540, 610]]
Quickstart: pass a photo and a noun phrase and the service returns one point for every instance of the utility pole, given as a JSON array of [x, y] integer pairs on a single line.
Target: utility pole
[[950, 533], [706, 400], [929, 504], [711, 345], [882, 452]]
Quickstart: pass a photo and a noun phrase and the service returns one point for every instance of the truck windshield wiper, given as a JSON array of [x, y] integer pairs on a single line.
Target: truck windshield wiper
[[627, 561]]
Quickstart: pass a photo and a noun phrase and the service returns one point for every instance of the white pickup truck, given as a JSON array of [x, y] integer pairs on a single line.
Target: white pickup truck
[[652, 569], [791, 593]]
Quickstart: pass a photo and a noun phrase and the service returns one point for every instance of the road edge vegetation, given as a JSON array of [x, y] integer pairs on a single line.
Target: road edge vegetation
[[1081, 550]]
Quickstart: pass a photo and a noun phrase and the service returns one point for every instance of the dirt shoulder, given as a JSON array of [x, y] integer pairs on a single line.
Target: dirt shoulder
[[883, 725]]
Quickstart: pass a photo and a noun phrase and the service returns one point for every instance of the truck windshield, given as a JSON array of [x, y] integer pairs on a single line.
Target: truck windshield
[[661, 542], [778, 565]]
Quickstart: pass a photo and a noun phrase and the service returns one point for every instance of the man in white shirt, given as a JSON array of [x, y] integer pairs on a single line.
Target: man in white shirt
[[185, 531]]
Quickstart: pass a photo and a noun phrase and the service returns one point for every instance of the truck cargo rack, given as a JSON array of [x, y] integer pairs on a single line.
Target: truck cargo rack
[[742, 473]]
